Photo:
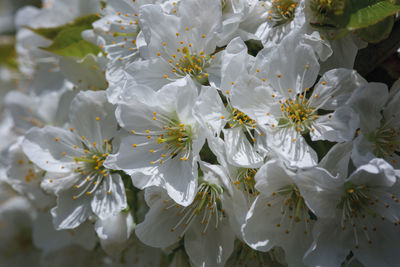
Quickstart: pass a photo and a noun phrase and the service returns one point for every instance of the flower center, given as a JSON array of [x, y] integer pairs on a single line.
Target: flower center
[[90, 167], [245, 181], [293, 209], [387, 141], [240, 119], [174, 139], [356, 201], [323, 9], [359, 201], [206, 205], [282, 11], [187, 62], [298, 114], [293, 200]]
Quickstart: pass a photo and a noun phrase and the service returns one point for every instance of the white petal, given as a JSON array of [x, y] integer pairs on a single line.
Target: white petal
[[210, 110], [291, 147], [93, 117], [109, 198], [87, 73], [339, 126], [377, 172], [339, 85], [234, 63], [296, 73], [272, 176], [45, 147], [239, 150], [260, 224], [151, 72], [369, 101], [155, 230], [320, 190], [337, 160], [328, 248], [114, 232], [211, 249], [70, 213]]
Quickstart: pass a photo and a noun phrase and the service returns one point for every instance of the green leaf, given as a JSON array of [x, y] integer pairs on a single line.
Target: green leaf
[[51, 33], [377, 32], [365, 13]]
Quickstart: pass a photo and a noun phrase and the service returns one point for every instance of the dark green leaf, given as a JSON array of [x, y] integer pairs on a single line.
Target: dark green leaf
[[377, 32], [365, 13]]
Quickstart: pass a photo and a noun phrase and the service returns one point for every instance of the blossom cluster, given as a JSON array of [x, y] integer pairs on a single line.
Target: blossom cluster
[[159, 136]]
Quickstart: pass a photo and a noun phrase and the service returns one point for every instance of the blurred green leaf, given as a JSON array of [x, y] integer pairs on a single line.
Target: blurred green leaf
[[84, 22], [8, 55], [67, 39], [69, 43]]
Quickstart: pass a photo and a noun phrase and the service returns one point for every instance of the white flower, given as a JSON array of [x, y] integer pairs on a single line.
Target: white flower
[[281, 18], [165, 139], [118, 29], [208, 237], [235, 126], [25, 177], [379, 134], [240, 18], [30, 110], [74, 161], [357, 212], [178, 45], [279, 216], [276, 92]]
